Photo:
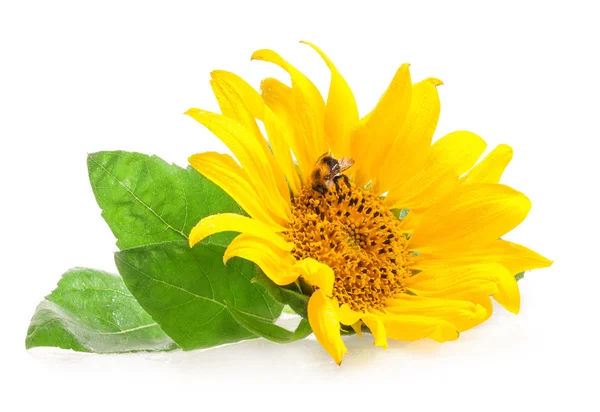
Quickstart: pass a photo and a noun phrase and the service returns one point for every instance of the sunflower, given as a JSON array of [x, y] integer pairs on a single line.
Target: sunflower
[[406, 242]]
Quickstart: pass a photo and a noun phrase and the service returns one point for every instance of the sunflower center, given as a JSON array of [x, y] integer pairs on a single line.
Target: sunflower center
[[351, 231]]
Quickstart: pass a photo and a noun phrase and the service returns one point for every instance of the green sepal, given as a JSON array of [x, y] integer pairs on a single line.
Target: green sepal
[[270, 331], [400, 213], [297, 301], [520, 276], [347, 331]]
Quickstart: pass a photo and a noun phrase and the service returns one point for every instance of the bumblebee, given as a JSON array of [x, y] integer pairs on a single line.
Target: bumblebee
[[328, 171]]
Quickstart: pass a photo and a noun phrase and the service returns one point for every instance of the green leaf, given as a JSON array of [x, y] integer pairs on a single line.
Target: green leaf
[[294, 300], [268, 330], [520, 276], [151, 207], [92, 311], [184, 290], [145, 200]]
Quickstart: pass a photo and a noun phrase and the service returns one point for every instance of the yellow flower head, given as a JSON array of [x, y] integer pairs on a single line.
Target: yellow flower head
[[391, 231]]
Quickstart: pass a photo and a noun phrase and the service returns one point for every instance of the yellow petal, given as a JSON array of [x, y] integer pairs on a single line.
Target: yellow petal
[[280, 138], [222, 170], [230, 222], [310, 107], [490, 169], [461, 313], [347, 316], [373, 138], [482, 300], [448, 158], [228, 91], [463, 289], [477, 279], [508, 294], [463, 148], [250, 97], [516, 258], [322, 316], [357, 326], [377, 328], [276, 263], [421, 191], [412, 220], [279, 98], [472, 216], [413, 327], [411, 146], [249, 152], [316, 274], [341, 113]]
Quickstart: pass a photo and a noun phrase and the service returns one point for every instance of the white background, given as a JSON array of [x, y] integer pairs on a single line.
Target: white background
[[80, 77]]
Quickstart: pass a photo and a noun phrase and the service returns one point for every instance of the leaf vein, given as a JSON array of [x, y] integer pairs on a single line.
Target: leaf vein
[[128, 189], [170, 284]]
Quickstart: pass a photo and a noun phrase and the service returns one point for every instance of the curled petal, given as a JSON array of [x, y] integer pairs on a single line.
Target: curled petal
[[230, 222], [377, 328], [357, 326], [276, 263], [322, 316], [316, 273], [347, 316]]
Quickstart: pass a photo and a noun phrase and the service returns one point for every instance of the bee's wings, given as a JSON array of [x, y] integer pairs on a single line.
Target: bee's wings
[[345, 163]]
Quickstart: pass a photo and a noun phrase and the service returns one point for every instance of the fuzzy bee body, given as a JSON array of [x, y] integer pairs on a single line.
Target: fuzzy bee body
[[328, 171]]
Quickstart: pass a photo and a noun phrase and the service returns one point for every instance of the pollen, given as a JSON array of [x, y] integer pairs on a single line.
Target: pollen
[[351, 231]]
